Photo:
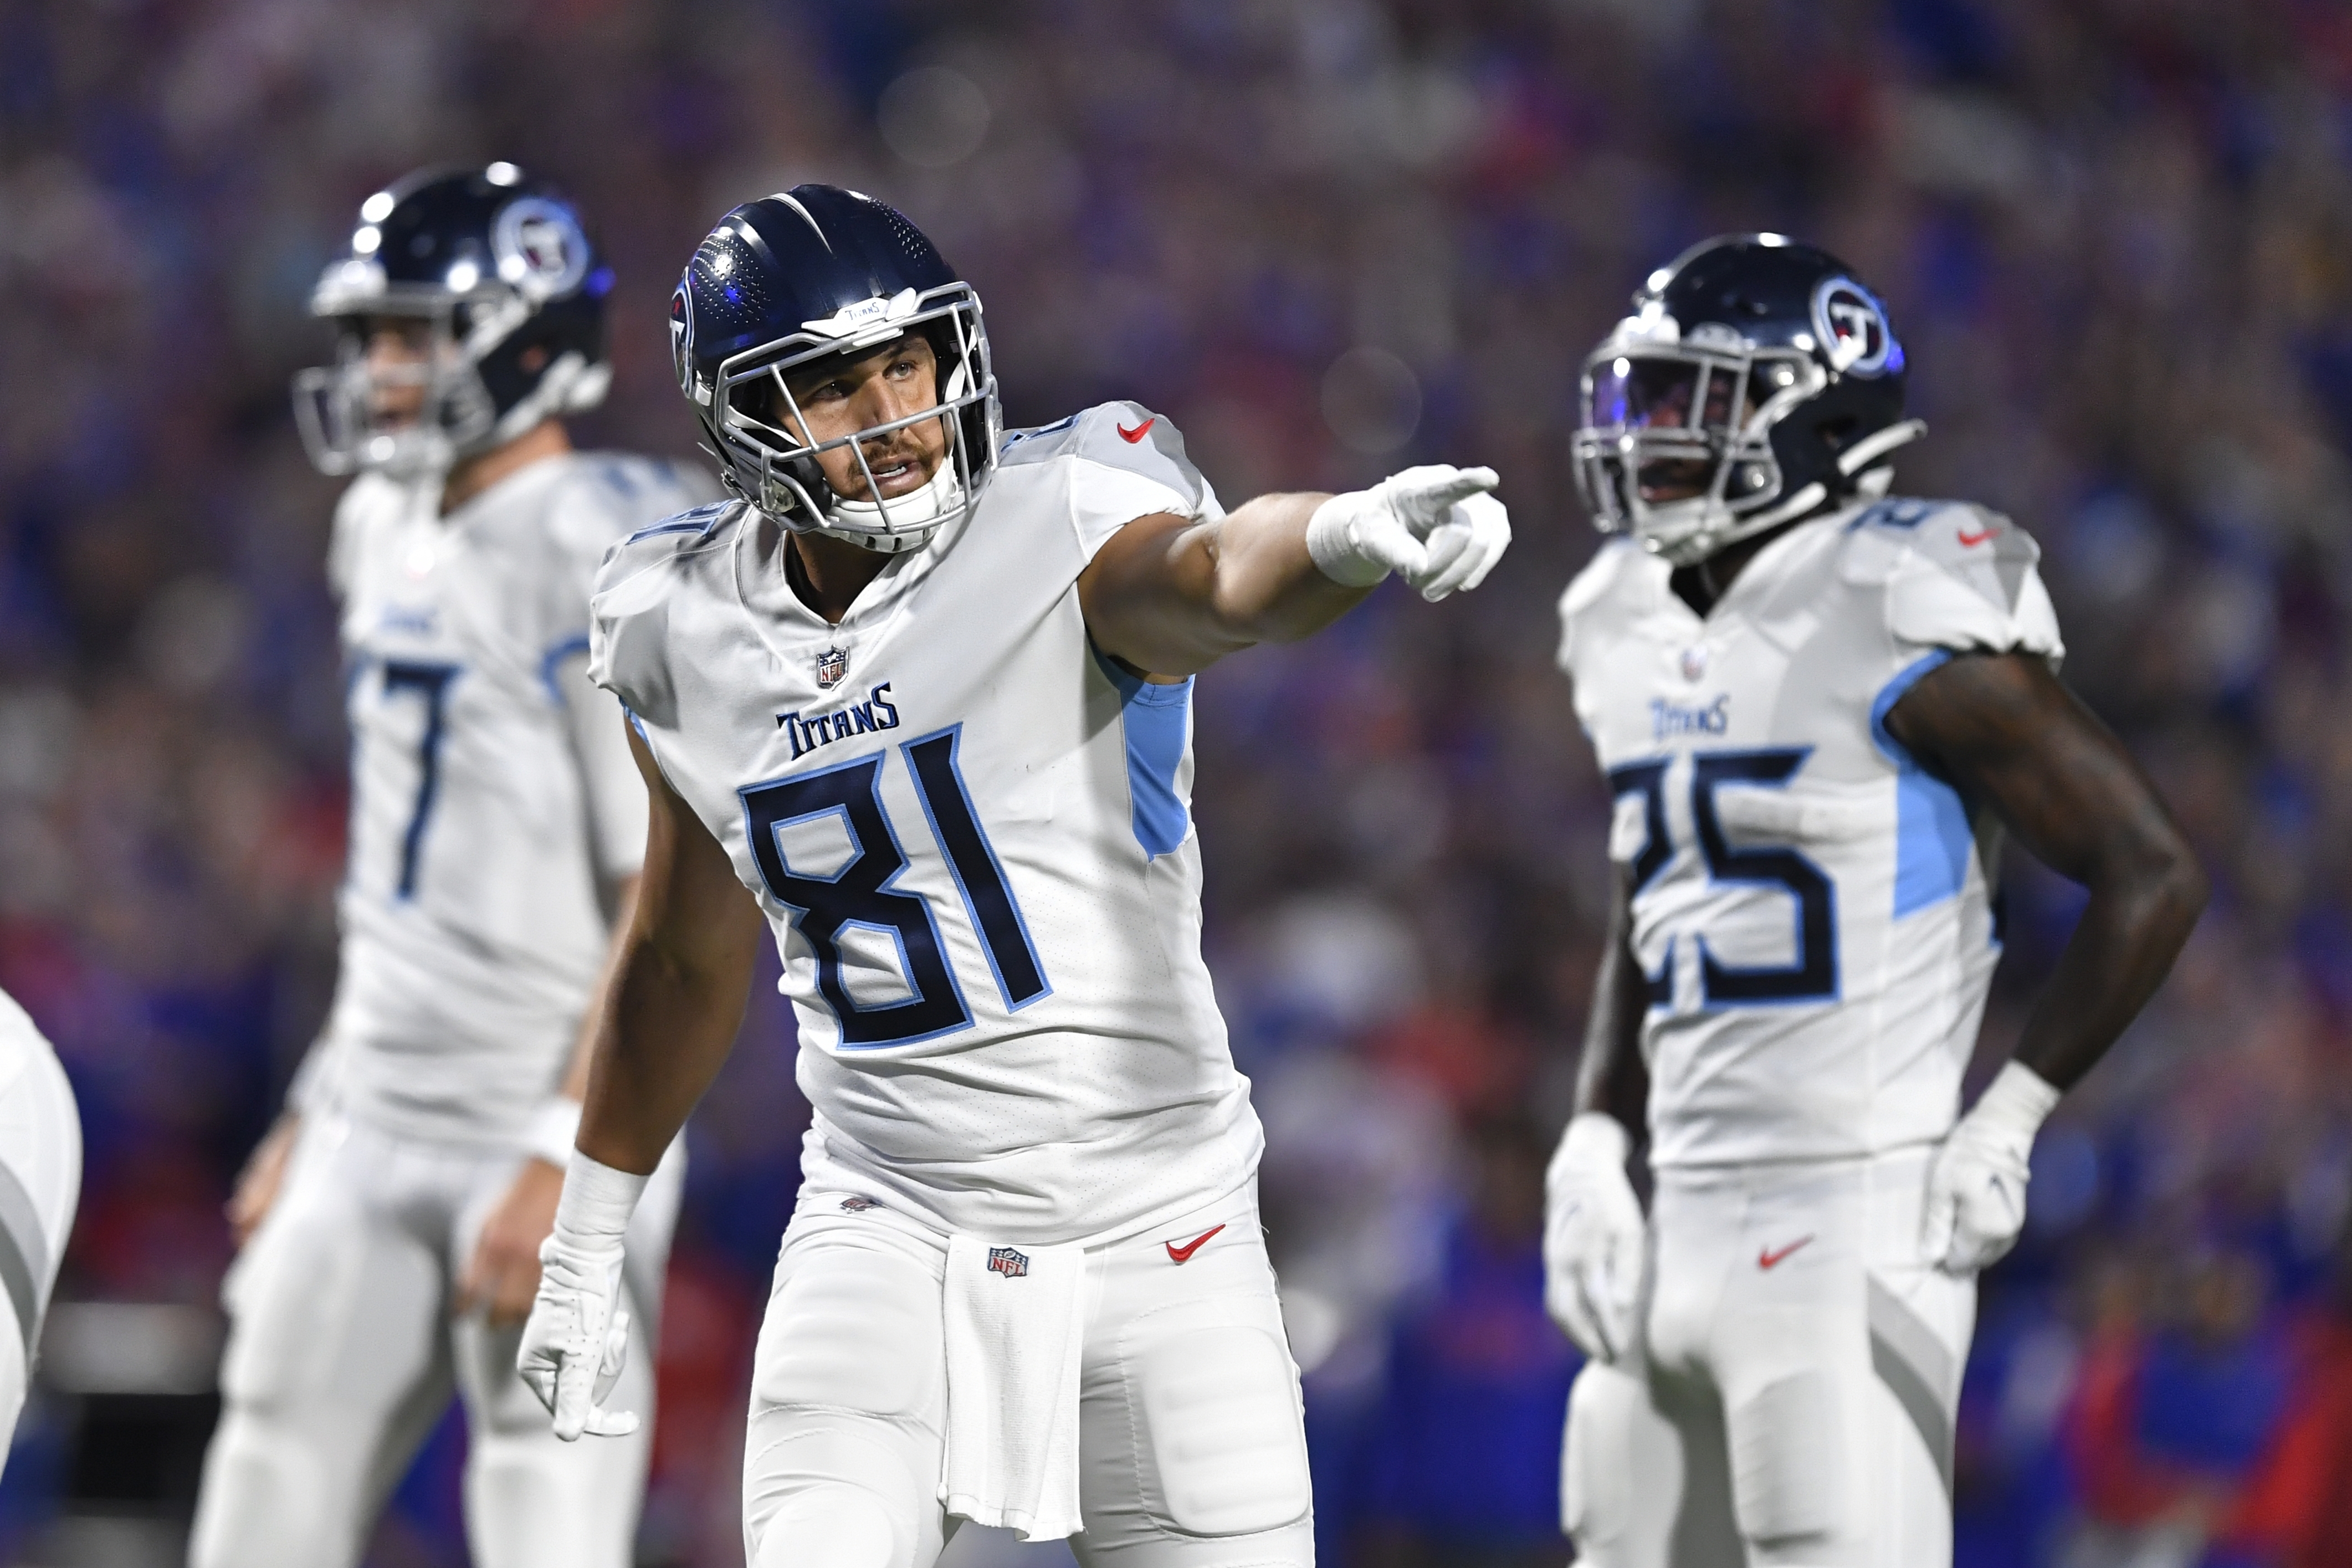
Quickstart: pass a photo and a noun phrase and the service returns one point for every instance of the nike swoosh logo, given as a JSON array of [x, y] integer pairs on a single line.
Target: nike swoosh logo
[[1967, 540], [1131, 437], [1185, 1253], [1771, 1258]]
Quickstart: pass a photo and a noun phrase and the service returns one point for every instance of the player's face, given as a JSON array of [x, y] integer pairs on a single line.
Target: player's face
[[839, 397], [1666, 395], [399, 354]]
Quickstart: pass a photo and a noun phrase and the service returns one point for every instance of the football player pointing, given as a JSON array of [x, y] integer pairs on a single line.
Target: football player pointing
[[391, 1221], [921, 696], [1817, 706]]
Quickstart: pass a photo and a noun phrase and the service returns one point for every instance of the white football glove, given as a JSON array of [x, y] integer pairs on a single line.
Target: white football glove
[[577, 1338], [1976, 1188], [1594, 1239], [1436, 527]]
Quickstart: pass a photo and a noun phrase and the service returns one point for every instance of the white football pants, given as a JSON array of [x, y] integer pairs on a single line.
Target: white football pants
[[1191, 1451], [1792, 1401], [40, 1183], [342, 1352]]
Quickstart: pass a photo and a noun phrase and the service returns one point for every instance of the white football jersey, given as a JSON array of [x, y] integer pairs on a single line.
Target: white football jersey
[[492, 791], [971, 834], [1815, 910]]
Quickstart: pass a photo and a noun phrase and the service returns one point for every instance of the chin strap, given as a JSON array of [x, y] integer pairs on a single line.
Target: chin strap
[[903, 522], [1877, 444], [1854, 463]]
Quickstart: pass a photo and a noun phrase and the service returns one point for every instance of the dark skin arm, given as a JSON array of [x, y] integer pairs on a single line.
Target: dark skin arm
[[1172, 596], [1610, 1075], [2003, 730], [678, 983]]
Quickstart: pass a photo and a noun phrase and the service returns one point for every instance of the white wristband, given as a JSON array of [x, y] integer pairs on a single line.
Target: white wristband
[[1331, 541], [2016, 1102], [1598, 1136], [553, 1129], [593, 1213]]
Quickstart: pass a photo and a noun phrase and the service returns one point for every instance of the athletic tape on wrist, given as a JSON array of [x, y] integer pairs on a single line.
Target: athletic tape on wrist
[[1594, 1137], [2016, 1102], [593, 1213], [1334, 549]]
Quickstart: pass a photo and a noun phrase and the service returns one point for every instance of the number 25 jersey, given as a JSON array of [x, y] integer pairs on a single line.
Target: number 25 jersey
[[970, 833], [1813, 909]]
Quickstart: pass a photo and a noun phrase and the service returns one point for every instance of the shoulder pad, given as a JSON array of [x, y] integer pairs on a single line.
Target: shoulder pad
[[1123, 435], [629, 609], [366, 489], [1618, 560], [1955, 575], [1621, 580], [672, 536], [614, 495]]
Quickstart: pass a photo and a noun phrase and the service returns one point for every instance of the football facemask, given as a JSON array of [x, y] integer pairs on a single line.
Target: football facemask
[[419, 412], [760, 423], [1674, 444]]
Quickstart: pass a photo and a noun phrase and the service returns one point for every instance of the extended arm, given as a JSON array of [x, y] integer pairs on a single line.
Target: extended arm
[[1170, 595], [2002, 729]]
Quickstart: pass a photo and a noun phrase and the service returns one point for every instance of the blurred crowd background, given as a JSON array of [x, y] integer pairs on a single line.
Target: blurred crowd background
[[1327, 239]]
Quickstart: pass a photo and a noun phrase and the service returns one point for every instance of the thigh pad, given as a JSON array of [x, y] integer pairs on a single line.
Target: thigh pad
[[1218, 1407], [856, 1328]]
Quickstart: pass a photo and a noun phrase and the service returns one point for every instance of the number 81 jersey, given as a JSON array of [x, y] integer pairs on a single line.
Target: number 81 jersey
[[1813, 910], [970, 834]]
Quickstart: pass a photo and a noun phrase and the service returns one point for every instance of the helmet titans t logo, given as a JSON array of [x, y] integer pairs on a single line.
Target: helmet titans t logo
[[1851, 327], [541, 249]]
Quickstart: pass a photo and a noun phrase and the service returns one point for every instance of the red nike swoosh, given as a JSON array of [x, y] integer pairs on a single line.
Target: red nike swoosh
[[1137, 435], [1769, 1259], [1967, 540], [1183, 1254]]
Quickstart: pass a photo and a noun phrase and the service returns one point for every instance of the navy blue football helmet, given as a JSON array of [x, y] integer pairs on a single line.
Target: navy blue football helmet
[[813, 271], [504, 295], [1756, 380]]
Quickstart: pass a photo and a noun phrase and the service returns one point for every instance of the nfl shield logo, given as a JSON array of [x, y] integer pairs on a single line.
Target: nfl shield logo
[[831, 665], [1009, 1261]]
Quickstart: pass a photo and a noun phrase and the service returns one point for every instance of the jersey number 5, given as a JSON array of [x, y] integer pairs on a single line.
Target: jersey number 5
[[860, 893], [1813, 977]]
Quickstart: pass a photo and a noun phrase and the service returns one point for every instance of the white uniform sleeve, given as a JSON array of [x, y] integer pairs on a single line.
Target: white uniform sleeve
[[614, 498], [1969, 580], [615, 792], [1125, 462]]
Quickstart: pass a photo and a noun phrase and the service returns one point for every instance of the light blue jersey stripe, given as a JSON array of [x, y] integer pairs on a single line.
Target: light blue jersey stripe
[[1933, 836], [1157, 719]]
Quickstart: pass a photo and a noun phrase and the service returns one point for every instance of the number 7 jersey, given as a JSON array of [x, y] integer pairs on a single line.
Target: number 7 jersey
[[970, 833], [1814, 910]]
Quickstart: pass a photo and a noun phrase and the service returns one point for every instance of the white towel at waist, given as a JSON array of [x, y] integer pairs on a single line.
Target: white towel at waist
[[1015, 1319]]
